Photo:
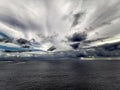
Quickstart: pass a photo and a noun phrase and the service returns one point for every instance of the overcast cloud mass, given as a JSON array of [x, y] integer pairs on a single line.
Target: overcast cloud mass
[[61, 24]]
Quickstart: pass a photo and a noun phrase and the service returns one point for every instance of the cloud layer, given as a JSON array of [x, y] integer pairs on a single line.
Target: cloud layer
[[51, 22]]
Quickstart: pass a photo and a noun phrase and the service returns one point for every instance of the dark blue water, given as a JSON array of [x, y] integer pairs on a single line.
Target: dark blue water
[[60, 75]]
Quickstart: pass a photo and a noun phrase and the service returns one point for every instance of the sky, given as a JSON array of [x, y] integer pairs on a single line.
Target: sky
[[53, 22]]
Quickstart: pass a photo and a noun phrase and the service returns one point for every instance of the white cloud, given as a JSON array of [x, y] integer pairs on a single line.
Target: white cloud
[[31, 18]]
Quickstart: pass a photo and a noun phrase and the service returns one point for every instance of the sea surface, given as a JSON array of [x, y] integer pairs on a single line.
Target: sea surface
[[60, 75]]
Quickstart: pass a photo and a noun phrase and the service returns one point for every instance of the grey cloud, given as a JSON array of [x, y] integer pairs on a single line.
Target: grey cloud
[[77, 37], [75, 45], [41, 19], [77, 18], [10, 20]]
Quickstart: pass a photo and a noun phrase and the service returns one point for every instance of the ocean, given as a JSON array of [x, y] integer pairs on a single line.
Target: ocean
[[60, 75]]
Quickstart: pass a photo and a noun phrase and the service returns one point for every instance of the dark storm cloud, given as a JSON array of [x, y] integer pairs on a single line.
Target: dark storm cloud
[[77, 37], [106, 50], [112, 47], [75, 45], [22, 41], [52, 48]]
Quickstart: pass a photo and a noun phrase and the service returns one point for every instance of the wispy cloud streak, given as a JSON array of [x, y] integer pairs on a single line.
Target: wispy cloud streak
[[51, 21]]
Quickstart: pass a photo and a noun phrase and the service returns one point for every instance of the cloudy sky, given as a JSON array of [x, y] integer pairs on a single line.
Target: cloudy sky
[[51, 21]]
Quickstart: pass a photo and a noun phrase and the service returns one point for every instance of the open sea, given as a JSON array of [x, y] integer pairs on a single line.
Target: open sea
[[60, 75]]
